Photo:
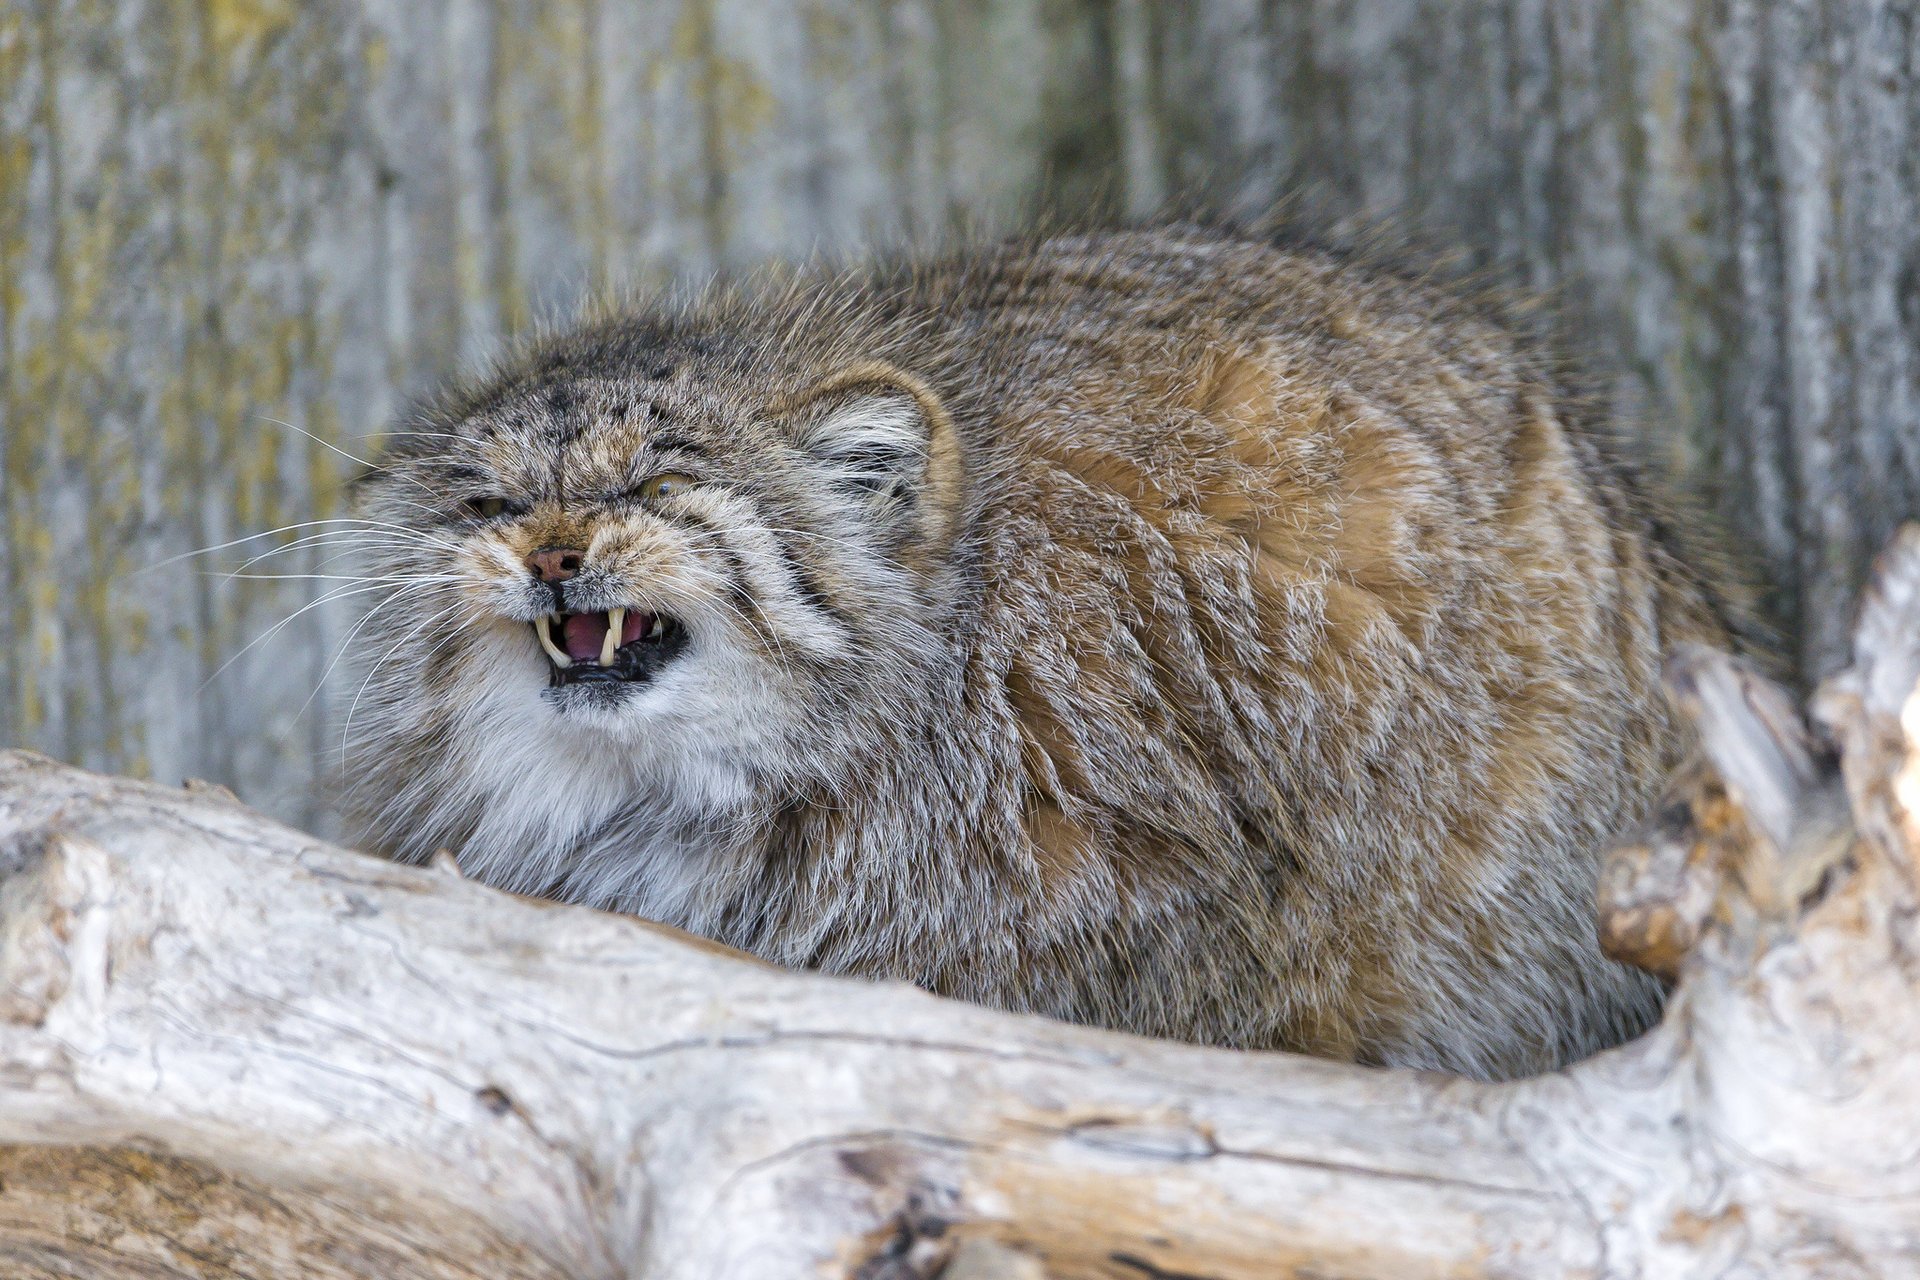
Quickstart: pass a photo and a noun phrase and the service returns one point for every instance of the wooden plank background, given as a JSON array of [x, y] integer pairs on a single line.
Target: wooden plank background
[[228, 227]]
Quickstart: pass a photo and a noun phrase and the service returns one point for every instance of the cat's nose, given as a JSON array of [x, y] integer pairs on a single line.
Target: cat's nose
[[555, 564]]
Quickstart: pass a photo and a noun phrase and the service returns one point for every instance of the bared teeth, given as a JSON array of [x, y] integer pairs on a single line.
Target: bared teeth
[[645, 626], [542, 628], [616, 619]]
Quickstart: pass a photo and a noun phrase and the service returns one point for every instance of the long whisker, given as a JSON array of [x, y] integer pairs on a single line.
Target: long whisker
[[359, 462], [447, 578], [346, 728], [354, 540], [356, 523], [222, 546], [363, 462], [409, 533], [340, 651], [339, 593], [349, 550]]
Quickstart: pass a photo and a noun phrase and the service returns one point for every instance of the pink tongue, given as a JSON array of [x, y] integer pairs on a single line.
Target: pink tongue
[[584, 633]]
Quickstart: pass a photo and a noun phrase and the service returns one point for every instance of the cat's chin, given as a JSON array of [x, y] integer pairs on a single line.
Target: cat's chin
[[589, 696]]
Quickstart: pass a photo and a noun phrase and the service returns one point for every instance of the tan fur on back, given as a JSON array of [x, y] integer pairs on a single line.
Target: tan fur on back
[[1159, 629]]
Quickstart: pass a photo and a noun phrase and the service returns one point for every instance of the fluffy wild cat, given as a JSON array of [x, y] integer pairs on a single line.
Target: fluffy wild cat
[[1162, 629]]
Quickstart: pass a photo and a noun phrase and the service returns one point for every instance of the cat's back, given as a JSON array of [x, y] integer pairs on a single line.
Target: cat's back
[[1340, 420], [1312, 579]]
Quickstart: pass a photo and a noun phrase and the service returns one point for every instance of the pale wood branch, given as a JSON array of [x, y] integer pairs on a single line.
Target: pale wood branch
[[228, 1049]]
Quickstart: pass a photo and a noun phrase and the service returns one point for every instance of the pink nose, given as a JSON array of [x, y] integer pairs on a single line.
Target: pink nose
[[554, 564]]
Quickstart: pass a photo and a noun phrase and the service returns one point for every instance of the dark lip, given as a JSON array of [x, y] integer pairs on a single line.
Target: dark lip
[[633, 664]]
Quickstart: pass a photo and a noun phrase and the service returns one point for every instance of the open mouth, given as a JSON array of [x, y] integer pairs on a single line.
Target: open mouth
[[616, 646]]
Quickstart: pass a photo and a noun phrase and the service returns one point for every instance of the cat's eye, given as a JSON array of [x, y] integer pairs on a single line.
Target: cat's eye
[[666, 485], [486, 508]]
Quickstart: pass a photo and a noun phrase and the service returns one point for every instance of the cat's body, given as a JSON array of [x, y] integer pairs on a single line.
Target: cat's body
[[1156, 629]]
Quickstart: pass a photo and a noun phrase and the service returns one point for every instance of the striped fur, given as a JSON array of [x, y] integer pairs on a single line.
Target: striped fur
[[1158, 629]]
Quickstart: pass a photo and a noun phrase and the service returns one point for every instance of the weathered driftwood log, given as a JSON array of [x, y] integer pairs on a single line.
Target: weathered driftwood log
[[227, 1049]]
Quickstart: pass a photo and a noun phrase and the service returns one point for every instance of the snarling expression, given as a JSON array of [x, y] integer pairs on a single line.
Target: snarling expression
[[697, 582]]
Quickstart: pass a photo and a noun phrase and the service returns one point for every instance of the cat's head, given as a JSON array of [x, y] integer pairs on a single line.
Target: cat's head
[[642, 563]]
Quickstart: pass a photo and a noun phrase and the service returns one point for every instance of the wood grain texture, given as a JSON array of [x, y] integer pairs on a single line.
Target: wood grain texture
[[216, 219], [233, 1050]]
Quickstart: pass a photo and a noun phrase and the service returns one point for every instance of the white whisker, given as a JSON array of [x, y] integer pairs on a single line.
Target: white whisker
[[340, 593], [361, 462], [340, 650], [346, 727], [264, 533]]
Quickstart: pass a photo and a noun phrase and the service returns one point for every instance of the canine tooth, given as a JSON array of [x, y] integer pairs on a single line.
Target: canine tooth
[[554, 652], [659, 627], [616, 619]]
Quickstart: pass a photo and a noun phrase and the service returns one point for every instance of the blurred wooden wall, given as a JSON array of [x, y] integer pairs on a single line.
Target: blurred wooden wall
[[222, 221]]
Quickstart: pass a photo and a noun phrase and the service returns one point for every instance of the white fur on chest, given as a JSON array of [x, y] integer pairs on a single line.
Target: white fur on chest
[[621, 807]]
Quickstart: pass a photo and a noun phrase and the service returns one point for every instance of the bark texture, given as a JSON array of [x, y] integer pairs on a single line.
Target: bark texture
[[232, 1050], [220, 218]]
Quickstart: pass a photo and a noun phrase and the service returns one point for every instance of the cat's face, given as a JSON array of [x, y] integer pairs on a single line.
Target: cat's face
[[605, 582]]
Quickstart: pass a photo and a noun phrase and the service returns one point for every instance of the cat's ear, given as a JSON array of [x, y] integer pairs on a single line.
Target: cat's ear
[[881, 437]]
